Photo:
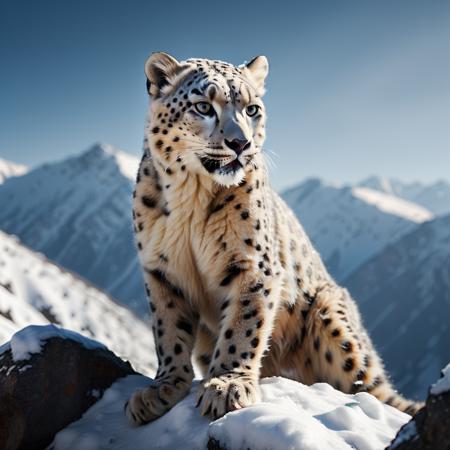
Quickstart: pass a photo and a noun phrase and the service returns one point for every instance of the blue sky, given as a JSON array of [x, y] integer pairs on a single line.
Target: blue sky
[[356, 87]]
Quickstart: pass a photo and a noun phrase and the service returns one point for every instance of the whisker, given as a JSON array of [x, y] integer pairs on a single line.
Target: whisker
[[271, 162], [264, 149]]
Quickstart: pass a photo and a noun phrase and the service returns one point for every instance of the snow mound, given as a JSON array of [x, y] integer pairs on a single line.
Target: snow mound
[[290, 416]]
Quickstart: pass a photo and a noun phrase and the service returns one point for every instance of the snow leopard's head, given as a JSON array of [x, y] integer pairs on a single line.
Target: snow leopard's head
[[206, 117]]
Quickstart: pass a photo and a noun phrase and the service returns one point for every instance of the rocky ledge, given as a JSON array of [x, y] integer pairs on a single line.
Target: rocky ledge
[[62, 391], [430, 428]]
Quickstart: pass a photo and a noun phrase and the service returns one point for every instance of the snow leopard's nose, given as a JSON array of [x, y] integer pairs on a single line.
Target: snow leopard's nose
[[238, 145]]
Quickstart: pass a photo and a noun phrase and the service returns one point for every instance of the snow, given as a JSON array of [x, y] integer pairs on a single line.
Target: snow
[[128, 164], [33, 290], [31, 340], [433, 196], [443, 384], [290, 416], [393, 205], [9, 169]]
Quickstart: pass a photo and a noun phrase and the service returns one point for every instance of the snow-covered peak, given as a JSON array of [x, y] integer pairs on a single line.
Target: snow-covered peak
[[78, 213], [10, 169], [101, 152]]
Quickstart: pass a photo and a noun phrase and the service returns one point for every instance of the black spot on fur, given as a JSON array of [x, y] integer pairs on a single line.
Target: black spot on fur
[[233, 272], [177, 349], [217, 208], [225, 305], [349, 364], [347, 346], [317, 343], [148, 201], [185, 326], [257, 287], [161, 277], [168, 360]]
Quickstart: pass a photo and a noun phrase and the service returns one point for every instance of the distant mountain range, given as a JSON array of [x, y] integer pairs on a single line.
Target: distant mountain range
[[35, 290], [384, 239], [348, 224]]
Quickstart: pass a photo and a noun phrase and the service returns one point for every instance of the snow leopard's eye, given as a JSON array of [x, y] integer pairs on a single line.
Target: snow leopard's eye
[[204, 108], [251, 110]]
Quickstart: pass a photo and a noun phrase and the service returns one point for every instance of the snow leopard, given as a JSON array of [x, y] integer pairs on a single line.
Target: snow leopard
[[234, 284]]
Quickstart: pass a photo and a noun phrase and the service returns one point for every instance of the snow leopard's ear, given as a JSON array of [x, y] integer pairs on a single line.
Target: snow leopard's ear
[[161, 69], [257, 70]]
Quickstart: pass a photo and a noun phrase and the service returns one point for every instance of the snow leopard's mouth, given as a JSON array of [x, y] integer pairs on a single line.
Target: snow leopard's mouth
[[216, 165], [231, 167]]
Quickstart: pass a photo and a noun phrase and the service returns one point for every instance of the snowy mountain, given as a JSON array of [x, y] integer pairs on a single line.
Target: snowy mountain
[[33, 290], [348, 225], [10, 169], [404, 296], [435, 196], [78, 213]]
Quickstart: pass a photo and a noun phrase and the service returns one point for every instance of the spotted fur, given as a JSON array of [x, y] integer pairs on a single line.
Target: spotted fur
[[231, 276]]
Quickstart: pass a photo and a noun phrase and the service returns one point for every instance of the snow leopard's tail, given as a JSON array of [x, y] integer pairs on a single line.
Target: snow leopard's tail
[[388, 395]]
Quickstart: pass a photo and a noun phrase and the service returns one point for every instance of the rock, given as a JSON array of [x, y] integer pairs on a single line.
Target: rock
[[48, 378], [430, 428]]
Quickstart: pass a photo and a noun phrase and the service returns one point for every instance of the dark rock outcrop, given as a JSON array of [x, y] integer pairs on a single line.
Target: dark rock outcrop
[[42, 394], [429, 429]]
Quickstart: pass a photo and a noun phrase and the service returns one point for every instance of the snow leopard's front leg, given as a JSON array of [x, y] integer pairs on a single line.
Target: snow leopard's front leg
[[245, 328], [174, 327]]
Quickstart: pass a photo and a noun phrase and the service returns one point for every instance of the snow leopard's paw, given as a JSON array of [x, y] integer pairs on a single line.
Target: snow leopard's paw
[[146, 405], [227, 392]]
